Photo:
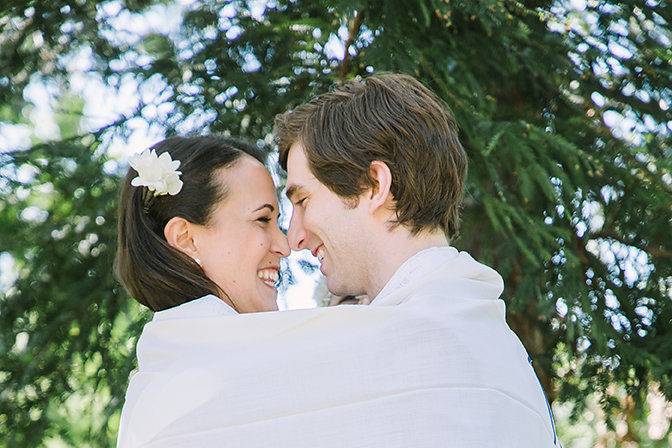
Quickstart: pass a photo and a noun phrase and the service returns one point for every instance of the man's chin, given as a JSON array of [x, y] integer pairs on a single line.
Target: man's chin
[[338, 289]]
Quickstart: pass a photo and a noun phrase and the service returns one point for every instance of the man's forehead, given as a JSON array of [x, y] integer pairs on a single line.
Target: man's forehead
[[297, 162], [299, 176]]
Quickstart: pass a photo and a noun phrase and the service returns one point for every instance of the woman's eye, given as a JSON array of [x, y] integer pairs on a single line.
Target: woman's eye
[[301, 201], [264, 219]]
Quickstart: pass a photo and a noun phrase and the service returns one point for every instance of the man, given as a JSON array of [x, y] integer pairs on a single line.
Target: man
[[375, 171]]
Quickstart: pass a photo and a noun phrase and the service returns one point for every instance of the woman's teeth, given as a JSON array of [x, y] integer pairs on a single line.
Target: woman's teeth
[[320, 254], [268, 276]]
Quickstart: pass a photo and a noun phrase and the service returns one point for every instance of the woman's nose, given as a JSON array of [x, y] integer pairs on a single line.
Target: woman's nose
[[281, 245]]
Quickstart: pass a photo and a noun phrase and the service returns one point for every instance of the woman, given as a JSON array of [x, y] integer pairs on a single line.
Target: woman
[[201, 241], [207, 231]]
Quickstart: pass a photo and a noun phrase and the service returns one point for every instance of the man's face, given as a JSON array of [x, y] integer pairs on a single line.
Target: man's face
[[323, 223]]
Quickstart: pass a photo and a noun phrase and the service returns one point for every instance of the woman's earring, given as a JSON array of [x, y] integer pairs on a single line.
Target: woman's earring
[[198, 261]]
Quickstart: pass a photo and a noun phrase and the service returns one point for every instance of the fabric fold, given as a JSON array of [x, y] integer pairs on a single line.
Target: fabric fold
[[430, 363]]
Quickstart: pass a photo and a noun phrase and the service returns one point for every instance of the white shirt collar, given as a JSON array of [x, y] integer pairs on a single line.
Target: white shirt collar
[[440, 263], [409, 269]]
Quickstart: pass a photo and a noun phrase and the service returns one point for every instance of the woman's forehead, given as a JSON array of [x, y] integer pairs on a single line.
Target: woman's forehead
[[247, 183]]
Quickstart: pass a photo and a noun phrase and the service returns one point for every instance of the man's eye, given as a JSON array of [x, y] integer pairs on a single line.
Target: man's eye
[[264, 219], [301, 201]]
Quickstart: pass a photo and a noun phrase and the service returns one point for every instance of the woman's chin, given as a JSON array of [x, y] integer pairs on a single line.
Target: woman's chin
[[260, 307], [268, 306], [267, 299]]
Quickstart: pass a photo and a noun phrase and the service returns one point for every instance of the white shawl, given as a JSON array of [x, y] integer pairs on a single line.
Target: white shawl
[[430, 363]]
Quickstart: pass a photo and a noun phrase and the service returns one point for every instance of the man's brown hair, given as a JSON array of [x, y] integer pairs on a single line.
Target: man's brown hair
[[392, 118]]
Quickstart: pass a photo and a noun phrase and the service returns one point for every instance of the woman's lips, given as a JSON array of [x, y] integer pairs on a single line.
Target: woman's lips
[[269, 276]]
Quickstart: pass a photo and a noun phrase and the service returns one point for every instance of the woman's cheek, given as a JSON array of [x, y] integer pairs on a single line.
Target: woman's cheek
[[268, 238], [260, 236]]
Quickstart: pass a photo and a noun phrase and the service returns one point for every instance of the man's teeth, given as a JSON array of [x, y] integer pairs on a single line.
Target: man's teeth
[[320, 254], [269, 276]]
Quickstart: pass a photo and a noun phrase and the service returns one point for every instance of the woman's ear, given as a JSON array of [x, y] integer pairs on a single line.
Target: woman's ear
[[179, 234], [380, 192]]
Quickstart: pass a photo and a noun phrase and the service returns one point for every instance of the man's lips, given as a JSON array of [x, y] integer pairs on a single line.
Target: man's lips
[[314, 251]]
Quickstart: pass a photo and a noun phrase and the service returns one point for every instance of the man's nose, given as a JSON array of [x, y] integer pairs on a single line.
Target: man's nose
[[296, 235]]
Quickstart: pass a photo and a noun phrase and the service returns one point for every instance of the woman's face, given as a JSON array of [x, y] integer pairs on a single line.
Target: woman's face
[[241, 248]]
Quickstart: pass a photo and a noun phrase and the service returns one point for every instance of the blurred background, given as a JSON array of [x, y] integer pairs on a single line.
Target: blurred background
[[564, 110]]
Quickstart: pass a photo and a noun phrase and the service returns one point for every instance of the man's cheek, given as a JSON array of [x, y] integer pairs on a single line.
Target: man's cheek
[[308, 219]]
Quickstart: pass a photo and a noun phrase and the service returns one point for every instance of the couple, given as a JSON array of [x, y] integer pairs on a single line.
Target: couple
[[375, 173]]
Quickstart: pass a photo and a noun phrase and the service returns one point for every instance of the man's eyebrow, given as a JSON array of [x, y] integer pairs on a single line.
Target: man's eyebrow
[[291, 191], [268, 206]]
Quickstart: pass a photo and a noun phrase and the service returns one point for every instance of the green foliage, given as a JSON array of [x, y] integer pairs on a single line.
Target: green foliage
[[574, 213]]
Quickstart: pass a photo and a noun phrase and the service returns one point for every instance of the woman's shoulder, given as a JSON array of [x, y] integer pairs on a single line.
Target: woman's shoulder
[[206, 306]]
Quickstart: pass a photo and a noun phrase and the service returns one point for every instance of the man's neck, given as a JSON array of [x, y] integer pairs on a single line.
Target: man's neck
[[392, 251]]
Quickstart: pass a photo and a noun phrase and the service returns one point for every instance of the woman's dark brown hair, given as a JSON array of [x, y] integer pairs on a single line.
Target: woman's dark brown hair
[[392, 118], [153, 272]]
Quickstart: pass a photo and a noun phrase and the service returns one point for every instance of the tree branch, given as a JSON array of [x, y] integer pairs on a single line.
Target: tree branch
[[654, 252], [353, 31]]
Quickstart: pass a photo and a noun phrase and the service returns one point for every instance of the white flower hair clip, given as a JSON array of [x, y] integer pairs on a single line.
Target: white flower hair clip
[[158, 173]]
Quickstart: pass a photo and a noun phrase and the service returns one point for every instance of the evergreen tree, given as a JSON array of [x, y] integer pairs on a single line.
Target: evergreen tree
[[563, 110]]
